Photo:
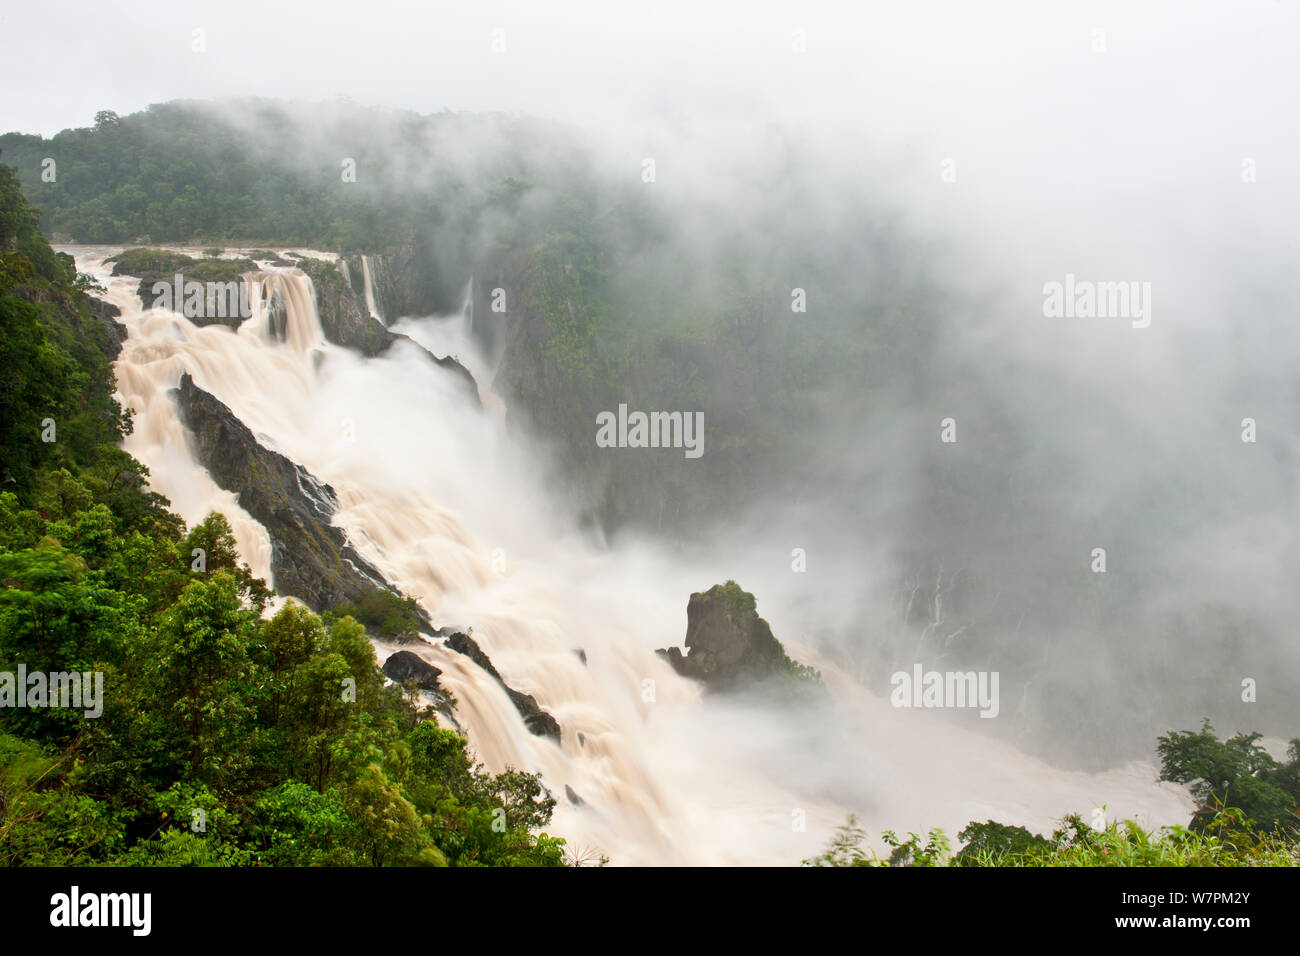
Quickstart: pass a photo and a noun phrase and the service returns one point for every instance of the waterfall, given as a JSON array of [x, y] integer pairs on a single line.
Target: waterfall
[[371, 306], [440, 499], [284, 308], [469, 309]]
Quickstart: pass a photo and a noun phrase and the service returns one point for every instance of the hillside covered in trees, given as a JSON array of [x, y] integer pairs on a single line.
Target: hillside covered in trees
[[225, 736]]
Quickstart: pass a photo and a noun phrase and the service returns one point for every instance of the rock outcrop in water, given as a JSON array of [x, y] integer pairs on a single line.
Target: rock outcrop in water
[[407, 665], [311, 559], [730, 646], [162, 265], [537, 721]]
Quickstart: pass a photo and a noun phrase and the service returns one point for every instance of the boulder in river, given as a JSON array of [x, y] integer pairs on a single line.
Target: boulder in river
[[406, 665]]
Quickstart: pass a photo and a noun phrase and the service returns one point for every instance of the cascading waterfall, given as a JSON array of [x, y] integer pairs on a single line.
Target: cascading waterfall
[[469, 309], [369, 285], [435, 495], [284, 308]]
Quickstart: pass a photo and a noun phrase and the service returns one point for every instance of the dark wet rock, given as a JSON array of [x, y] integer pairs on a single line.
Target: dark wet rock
[[405, 665], [582, 655], [572, 794], [344, 318], [407, 279], [311, 559], [112, 332], [538, 721], [462, 643]]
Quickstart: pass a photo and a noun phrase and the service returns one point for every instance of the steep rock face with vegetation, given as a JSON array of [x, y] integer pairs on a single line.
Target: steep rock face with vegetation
[[56, 405], [409, 280], [543, 398], [564, 360], [342, 308], [310, 557], [346, 320], [114, 332], [730, 646]]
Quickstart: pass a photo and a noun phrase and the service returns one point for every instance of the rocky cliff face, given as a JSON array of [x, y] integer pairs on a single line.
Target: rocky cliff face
[[730, 646], [502, 268], [310, 557], [557, 397], [407, 281], [550, 403], [344, 318], [112, 333]]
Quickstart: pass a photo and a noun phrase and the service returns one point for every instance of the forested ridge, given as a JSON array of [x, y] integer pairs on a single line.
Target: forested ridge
[[226, 736], [178, 171]]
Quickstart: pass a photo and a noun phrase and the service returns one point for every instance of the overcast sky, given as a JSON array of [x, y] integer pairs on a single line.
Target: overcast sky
[[969, 66], [1072, 116]]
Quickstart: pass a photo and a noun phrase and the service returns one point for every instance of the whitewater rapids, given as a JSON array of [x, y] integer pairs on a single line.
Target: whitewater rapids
[[434, 494]]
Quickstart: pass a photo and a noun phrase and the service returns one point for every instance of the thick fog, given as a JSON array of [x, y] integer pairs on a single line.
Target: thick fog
[[978, 151]]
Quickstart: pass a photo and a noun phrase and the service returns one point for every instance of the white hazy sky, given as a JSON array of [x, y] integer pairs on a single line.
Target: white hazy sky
[[1046, 131], [1217, 65]]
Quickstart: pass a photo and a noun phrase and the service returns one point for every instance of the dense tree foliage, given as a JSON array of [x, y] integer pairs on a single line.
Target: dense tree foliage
[[335, 177], [227, 735], [1237, 772]]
